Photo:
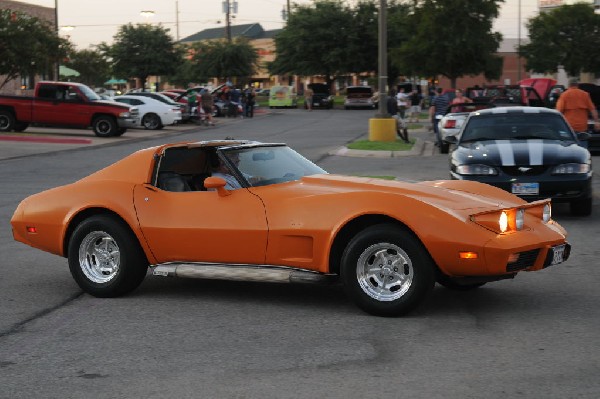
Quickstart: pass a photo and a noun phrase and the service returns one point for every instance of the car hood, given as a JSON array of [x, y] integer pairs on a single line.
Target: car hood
[[521, 152], [452, 195]]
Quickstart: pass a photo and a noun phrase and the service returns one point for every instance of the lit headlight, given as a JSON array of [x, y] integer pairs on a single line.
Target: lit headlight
[[505, 221], [571, 169], [476, 169]]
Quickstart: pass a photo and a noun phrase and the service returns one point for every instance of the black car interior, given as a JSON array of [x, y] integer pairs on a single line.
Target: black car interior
[[183, 169]]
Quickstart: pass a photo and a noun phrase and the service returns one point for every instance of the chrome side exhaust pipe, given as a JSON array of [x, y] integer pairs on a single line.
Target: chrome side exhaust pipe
[[212, 271]]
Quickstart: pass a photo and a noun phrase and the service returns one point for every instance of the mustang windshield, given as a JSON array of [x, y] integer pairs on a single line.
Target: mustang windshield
[[515, 126], [271, 164]]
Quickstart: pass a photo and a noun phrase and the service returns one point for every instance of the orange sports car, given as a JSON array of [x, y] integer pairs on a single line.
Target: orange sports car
[[244, 210]]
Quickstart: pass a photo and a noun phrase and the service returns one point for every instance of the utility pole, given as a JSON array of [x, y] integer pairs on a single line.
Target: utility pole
[[177, 18]]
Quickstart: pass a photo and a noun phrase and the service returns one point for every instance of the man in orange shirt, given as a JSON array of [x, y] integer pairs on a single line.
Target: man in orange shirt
[[575, 104]]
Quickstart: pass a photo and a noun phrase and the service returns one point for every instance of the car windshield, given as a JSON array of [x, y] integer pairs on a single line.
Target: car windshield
[[89, 93], [516, 126], [271, 164]]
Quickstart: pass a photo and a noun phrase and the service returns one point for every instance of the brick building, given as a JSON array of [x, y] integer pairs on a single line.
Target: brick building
[[43, 13]]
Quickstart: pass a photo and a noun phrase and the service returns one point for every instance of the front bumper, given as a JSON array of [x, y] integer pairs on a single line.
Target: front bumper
[[128, 122]]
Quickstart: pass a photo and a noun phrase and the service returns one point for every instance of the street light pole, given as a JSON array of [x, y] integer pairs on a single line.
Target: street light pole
[[382, 38], [57, 35]]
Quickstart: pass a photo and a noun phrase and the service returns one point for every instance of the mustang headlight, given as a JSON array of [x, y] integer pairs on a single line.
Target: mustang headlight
[[571, 169], [476, 169]]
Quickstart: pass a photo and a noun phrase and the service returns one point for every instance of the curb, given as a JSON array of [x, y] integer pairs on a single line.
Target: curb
[[417, 149]]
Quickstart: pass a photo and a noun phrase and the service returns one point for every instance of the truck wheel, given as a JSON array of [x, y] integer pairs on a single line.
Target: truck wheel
[[7, 121], [151, 122], [104, 126], [105, 258], [386, 271], [20, 126], [445, 147]]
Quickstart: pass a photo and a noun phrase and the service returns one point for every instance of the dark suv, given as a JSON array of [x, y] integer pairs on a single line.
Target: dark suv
[[322, 97]]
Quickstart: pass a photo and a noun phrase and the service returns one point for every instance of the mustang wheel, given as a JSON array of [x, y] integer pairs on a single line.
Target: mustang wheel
[[386, 271], [105, 258]]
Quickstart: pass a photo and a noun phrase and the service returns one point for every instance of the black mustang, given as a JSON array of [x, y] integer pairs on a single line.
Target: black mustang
[[528, 151]]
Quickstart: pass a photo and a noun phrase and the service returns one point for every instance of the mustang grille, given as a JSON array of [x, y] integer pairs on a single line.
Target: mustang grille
[[526, 259], [524, 170]]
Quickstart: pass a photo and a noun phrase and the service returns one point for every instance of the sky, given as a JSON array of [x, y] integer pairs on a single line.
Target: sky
[[97, 21]]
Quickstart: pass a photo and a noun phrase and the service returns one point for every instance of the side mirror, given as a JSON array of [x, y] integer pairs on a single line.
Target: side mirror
[[217, 183], [451, 139]]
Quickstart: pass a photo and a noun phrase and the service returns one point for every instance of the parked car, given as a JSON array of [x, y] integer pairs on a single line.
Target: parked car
[[322, 97], [153, 113], [66, 104], [359, 97], [183, 107], [283, 97], [452, 121], [387, 242], [531, 152]]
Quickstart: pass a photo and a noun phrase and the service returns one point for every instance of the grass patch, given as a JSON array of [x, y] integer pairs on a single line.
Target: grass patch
[[367, 145]]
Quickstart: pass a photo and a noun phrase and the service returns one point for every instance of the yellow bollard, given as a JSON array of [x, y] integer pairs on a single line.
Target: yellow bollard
[[382, 129]]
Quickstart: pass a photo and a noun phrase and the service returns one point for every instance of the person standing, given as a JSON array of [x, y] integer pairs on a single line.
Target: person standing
[[402, 98], [308, 98], [392, 109], [437, 109], [207, 102], [576, 105], [415, 106], [250, 101]]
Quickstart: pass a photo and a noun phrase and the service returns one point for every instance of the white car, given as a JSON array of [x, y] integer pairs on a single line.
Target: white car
[[153, 113], [451, 123]]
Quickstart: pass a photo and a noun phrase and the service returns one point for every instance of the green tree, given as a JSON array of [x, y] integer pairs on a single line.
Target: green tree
[[28, 46], [569, 36], [143, 50], [315, 41], [93, 67], [222, 59], [452, 38]]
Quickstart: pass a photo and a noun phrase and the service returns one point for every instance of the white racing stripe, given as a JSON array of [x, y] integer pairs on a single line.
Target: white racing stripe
[[536, 152], [507, 157]]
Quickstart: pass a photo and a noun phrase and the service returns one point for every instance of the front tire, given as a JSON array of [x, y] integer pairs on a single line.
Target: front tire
[[104, 126], [386, 270], [21, 126], [105, 258]]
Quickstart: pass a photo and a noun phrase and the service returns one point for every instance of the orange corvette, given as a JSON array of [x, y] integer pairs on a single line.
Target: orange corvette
[[245, 210]]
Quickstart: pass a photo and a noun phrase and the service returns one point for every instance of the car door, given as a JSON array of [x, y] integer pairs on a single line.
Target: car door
[[60, 104], [202, 226]]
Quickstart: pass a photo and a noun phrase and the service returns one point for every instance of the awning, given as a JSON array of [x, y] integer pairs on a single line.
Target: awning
[[66, 71], [114, 81]]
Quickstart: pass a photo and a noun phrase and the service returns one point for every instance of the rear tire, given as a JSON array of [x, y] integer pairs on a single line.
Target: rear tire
[[386, 270], [105, 258], [444, 147], [7, 121], [151, 122]]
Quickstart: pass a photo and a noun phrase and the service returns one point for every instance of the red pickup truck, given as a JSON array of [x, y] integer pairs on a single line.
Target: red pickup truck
[[66, 104]]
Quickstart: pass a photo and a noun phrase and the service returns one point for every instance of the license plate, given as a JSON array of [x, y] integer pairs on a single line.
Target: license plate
[[558, 254], [316, 104], [526, 188]]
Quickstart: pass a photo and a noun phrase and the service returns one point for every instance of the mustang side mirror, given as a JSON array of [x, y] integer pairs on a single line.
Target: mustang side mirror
[[217, 183], [450, 139], [582, 136]]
